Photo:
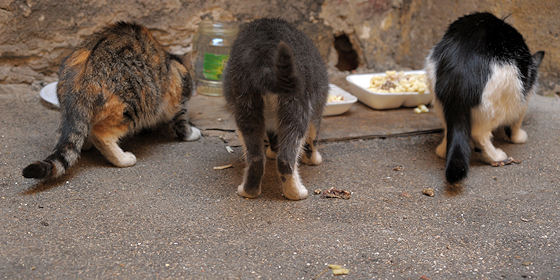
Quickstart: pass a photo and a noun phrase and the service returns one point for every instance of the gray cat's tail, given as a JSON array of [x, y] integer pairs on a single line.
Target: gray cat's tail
[[287, 80], [74, 130], [458, 148]]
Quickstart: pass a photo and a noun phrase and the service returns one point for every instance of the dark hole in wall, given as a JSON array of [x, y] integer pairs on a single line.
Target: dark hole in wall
[[347, 56]]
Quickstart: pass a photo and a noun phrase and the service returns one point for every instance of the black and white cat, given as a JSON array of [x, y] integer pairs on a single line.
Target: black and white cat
[[277, 85], [482, 74]]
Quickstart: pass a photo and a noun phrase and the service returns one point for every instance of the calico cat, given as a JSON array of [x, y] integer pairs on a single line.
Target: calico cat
[[482, 74], [276, 84], [117, 82]]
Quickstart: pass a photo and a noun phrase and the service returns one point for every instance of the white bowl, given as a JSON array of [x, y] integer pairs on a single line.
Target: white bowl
[[48, 94], [339, 107], [377, 100]]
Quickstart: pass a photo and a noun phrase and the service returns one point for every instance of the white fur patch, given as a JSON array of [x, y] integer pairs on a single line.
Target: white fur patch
[[293, 188], [430, 69], [195, 134], [502, 103], [502, 99]]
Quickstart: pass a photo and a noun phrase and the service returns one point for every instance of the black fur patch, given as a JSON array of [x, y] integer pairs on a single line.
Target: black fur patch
[[38, 170]]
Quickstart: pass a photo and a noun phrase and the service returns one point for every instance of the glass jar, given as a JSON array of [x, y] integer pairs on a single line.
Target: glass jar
[[212, 46]]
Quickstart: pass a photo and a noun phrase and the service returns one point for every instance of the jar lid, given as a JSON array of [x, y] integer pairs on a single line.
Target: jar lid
[[226, 28]]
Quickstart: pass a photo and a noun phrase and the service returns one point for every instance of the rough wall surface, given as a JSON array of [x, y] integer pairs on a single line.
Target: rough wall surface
[[36, 35]]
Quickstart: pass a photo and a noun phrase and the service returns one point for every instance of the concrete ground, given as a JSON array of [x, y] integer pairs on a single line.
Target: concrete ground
[[174, 216]]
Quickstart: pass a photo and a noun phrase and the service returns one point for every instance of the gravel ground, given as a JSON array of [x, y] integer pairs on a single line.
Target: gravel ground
[[173, 216]]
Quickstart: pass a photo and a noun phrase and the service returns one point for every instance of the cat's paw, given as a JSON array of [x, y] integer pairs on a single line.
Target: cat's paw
[[293, 189], [499, 155], [270, 154], [253, 194], [195, 134], [126, 160], [519, 136], [441, 150], [315, 159]]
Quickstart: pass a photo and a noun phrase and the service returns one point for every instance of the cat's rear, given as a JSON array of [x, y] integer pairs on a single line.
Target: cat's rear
[[277, 85], [482, 74], [118, 81]]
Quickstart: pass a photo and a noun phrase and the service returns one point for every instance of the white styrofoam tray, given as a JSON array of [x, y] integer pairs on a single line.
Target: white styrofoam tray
[[377, 100], [48, 94], [339, 107]]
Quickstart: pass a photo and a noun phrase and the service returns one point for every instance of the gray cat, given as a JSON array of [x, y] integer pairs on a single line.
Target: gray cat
[[277, 84]]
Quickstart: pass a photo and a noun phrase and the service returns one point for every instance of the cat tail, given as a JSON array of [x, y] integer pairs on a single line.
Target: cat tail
[[458, 147], [73, 134], [287, 80]]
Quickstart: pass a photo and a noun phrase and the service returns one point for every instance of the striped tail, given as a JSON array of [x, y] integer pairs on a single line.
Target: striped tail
[[74, 130]]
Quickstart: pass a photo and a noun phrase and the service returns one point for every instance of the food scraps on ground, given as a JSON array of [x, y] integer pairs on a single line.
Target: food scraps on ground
[[338, 270], [336, 193], [428, 191], [421, 109], [317, 191], [507, 161], [223, 167]]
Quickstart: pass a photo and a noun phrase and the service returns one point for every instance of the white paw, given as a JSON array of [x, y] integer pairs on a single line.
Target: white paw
[[128, 159], [498, 156], [519, 136], [270, 154], [315, 159], [293, 189], [441, 150], [241, 192], [195, 134]]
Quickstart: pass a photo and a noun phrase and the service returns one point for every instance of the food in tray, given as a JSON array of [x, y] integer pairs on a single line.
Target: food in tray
[[334, 98], [394, 81]]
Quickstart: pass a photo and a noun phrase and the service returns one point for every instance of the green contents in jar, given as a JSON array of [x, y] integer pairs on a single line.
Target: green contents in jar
[[214, 65]]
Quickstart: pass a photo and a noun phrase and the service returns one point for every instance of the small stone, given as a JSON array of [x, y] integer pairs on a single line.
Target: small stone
[[428, 191], [44, 223], [317, 191], [527, 263]]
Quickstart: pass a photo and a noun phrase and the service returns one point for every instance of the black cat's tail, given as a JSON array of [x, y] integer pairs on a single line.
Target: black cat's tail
[[287, 80], [74, 130], [458, 148]]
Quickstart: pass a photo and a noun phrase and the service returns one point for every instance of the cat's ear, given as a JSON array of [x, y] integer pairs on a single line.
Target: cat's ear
[[537, 58]]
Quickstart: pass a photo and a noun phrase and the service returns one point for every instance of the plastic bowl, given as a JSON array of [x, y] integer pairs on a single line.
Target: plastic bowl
[[377, 100]]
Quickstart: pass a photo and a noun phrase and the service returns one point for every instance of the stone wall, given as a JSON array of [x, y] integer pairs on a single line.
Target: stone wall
[[396, 34]]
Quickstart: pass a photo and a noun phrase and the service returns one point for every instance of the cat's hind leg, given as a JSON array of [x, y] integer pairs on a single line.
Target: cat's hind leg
[[183, 130], [251, 129], [482, 137], [311, 155], [272, 150], [515, 133], [105, 139], [291, 132], [441, 149]]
